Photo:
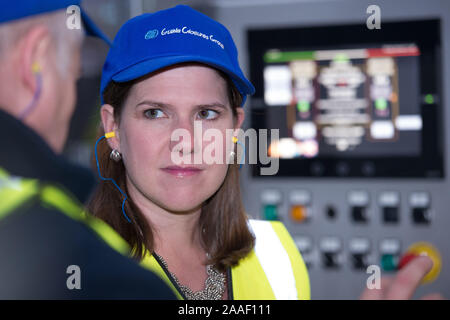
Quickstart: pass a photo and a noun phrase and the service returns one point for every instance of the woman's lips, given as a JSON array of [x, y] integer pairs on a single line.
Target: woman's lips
[[182, 172]]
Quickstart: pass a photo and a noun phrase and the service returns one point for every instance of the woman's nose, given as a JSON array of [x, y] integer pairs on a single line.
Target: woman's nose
[[186, 137]]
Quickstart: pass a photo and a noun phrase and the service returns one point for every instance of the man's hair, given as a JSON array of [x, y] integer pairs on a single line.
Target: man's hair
[[65, 39]]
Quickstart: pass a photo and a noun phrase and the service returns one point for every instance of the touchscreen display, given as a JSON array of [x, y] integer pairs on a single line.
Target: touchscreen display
[[349, 102], [346, 101]]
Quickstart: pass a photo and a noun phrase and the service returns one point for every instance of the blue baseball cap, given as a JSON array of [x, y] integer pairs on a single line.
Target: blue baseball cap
[[14, 10], [152, 41]]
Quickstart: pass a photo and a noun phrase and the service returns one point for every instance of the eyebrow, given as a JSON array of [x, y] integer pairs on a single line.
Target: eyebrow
[[166, 105]]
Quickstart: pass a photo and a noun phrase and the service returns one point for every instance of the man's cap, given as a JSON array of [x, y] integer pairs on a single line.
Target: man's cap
[[15, 10], [152, 41]]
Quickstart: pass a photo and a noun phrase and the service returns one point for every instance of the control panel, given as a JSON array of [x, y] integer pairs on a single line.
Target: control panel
[[361, 183], [341, 233], [364, 211]]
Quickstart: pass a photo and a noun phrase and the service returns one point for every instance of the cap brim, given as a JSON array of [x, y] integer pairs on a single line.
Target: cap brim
[[92, 29], [148, 66]]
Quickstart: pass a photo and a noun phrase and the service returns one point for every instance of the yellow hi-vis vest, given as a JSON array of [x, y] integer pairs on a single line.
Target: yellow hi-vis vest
[[16, 191], [274, 269]]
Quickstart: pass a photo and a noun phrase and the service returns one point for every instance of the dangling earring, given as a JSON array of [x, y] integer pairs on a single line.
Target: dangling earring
[[115, 155], [231, 159], [232, 153]]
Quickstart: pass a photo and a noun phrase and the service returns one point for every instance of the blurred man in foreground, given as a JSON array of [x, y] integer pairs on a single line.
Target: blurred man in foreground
[[50, 249]]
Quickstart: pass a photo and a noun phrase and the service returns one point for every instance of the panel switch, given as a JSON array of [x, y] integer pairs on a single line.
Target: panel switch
[[390, 254], [300, 201], [270, 200], [420, 203], [358, 202], [389, 201], [359, 251], [331, 252]]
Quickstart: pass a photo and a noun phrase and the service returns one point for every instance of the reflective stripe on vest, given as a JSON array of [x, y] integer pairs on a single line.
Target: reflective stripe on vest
[[274, 260], [14, 192], [64, 203], [257, 276]]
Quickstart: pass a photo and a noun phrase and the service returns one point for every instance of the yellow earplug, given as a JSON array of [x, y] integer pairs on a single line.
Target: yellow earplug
[[235, 139], [110, 134], [36, 67]]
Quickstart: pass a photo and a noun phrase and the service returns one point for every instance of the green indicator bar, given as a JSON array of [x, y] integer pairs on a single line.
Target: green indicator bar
[[286, 56], [341, 57]]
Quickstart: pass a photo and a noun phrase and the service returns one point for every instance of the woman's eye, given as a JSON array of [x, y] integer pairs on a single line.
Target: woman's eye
[[153, 113], [208, 114]]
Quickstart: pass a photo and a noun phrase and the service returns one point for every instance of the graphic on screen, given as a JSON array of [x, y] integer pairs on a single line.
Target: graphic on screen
[[357, 102]]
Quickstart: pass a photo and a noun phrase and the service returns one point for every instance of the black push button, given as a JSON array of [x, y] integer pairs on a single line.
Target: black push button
[[359, 214], [421, 215], [390, 214], [331, 212], [359, 261], [330, 260]]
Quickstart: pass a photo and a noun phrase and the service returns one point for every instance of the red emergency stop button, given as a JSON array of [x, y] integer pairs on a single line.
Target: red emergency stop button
[[406, 259]]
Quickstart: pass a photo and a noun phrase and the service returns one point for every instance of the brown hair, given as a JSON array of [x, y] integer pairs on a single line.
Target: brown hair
[[226, 236]]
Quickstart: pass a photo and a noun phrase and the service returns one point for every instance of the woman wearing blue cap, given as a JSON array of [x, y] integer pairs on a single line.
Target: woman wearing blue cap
[[164, 72]]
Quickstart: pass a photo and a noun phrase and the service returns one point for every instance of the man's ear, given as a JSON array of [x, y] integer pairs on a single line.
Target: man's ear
[[34, 54], [109, 124]]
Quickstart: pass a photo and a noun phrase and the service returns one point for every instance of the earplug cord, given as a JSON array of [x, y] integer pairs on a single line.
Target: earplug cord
[[36, 95], [110, 179], [243, 153]]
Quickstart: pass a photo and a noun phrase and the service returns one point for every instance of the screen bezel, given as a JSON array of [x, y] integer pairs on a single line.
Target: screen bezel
[[426, 34]]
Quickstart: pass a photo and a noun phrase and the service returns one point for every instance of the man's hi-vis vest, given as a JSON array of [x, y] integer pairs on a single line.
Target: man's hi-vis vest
[[273, 270]]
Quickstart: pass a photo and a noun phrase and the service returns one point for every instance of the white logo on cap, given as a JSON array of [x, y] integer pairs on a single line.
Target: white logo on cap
[[184, 30]]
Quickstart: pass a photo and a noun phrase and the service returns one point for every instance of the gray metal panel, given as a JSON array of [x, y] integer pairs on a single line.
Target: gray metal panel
[[345, 283]]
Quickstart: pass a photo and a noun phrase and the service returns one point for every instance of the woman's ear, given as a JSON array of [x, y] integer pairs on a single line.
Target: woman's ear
[[239, 117], [109, 124]]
